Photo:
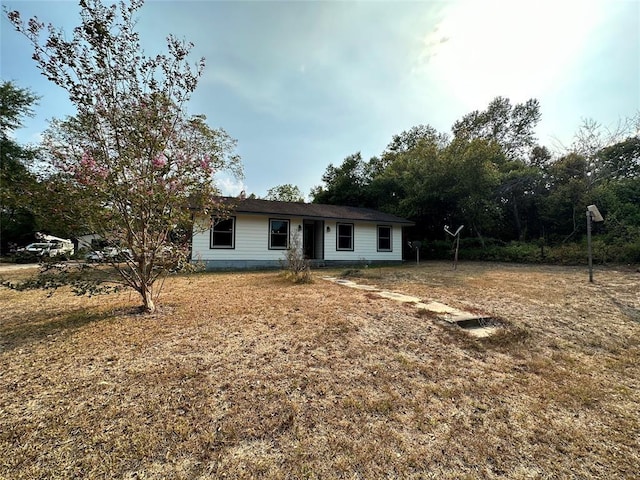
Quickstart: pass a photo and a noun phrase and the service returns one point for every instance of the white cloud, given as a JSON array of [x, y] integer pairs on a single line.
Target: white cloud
[[228, 185], [518, 49], [328, 61]]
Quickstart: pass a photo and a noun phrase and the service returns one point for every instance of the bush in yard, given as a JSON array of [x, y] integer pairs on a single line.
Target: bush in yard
[[522, 252], [296, 265], [436, 250]]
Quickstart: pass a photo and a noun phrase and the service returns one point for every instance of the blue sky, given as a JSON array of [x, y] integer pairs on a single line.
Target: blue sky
[[303, 84]]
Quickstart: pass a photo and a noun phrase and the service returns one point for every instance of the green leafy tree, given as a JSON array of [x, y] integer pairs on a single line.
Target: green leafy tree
[[18, 186], [413, 180], [520, 187], [131, 151], [390, 182], [285, 193], [621, 160], [494, 178], [435, 182], [61, 208], [510, 126], [620, 203], [412, 138], [562, 209], [344, 185], [611, 153], [617, 192], [602, 166], [540, 156], [475, 169], [15, 104]]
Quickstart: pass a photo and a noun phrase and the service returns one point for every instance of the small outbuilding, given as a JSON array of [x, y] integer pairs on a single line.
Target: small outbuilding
[[257, 233]]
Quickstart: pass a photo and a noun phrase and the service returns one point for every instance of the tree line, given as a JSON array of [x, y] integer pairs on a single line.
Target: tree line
[[492, 176]]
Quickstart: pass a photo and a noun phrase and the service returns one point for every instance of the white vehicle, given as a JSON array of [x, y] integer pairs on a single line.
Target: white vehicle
[[95, 256], [38, 248], [49, 246], [118, 254], [109, 254]]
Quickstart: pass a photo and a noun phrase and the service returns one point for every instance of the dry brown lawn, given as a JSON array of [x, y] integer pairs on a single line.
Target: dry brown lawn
[[244, 375]]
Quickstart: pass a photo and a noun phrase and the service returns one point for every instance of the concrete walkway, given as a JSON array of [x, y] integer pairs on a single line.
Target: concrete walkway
[[473, 323]]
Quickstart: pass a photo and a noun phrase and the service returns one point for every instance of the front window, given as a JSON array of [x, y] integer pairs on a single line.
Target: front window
[[222, 233], [384, 238], [278, 234], [345, 236]]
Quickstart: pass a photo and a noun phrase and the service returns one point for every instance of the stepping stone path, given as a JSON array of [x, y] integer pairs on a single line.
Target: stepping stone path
[[471, 322]]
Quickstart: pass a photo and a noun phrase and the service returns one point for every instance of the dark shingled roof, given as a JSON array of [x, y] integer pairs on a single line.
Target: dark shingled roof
[[312, 210]]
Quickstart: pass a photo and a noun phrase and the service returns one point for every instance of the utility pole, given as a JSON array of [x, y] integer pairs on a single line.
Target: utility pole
[[593, 215]]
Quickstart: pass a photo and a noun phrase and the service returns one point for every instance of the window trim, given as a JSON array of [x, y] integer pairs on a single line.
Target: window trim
[[353, 242], [390, 227], [233, 235], [288, 222]]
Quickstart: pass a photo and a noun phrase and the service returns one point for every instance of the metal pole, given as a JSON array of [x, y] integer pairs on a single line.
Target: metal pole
[[455, 260], [589, 246]]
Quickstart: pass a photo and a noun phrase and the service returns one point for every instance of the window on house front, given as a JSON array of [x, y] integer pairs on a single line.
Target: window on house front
[[384, 238], [278, 234], [345, 236], [223, 233]]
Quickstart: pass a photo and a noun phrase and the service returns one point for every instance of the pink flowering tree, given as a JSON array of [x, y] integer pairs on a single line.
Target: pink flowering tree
[[144, 166]]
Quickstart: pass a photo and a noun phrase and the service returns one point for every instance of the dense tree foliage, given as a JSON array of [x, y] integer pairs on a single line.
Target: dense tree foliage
[[285, 193], [344, 185], [32, 200], [18, 186], [492, 176], [137, 163], [511, 127]]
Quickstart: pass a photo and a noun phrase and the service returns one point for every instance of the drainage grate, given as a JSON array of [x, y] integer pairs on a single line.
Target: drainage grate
[[477, 322], [478, 326]]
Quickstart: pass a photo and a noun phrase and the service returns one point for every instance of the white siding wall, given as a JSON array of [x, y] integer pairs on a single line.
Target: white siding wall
[[84, 241], [252, 242], [365, 243]]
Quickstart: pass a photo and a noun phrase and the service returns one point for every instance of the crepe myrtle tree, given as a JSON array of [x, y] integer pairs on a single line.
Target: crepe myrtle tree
[[139, 160]]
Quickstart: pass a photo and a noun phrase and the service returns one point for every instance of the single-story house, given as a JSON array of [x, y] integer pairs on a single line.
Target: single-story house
[[257, 233]]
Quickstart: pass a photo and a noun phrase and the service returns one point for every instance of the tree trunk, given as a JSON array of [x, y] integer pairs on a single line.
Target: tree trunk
[[148, 305], [575, 228], [479, 235]]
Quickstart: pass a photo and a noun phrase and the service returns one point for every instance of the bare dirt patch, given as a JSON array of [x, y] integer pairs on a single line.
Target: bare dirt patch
[[248, 376]]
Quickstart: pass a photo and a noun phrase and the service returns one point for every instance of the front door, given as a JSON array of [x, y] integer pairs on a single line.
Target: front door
[[308, 240], [313, 240]]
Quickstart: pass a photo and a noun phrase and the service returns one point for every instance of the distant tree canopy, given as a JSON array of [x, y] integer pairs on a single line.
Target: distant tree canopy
[[18, 185], [285, 193], [32, 198], [492, 176], [511, 127]]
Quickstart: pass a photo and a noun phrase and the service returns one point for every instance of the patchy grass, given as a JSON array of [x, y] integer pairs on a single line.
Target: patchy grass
[[249, 376]]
